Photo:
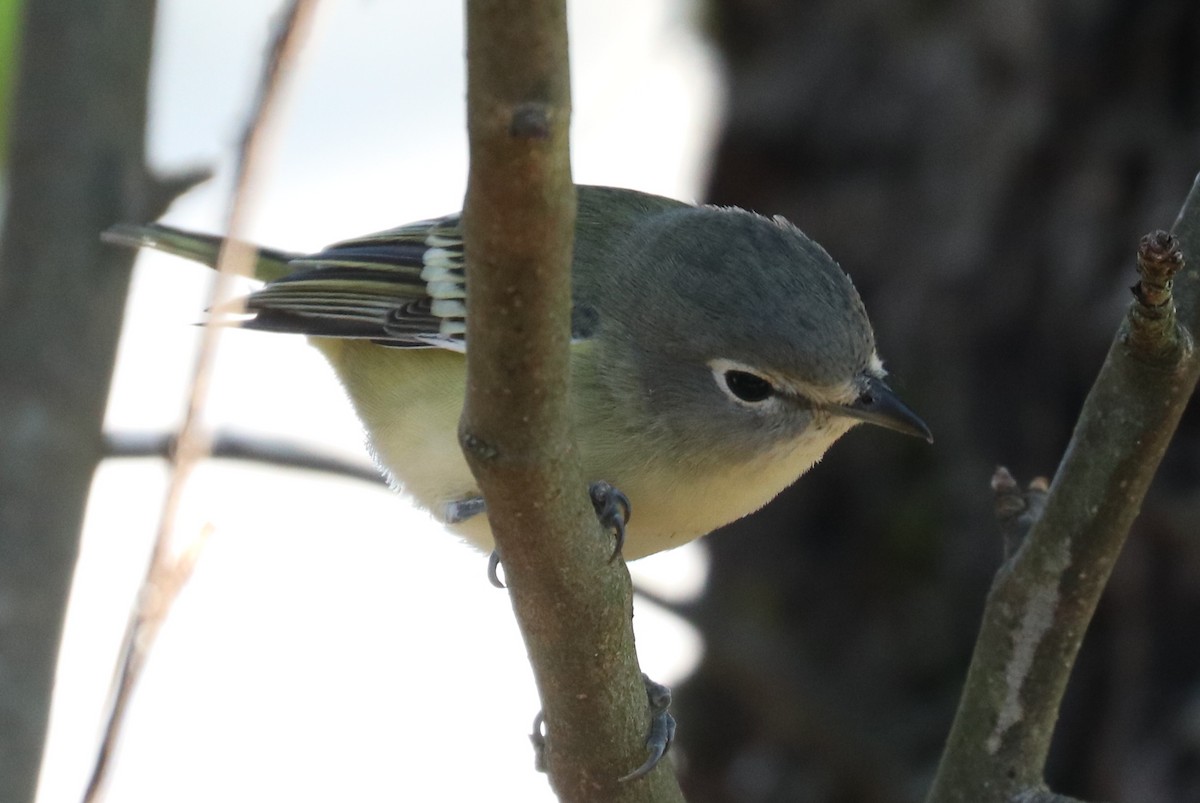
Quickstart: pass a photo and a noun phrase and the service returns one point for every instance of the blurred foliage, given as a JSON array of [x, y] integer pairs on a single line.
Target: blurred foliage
[[983, 170], [10, 23]]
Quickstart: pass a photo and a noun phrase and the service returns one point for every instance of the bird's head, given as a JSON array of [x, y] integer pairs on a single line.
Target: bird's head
[[749, 336]]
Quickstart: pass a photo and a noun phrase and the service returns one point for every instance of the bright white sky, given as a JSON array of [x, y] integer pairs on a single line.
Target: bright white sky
[[334, 644]]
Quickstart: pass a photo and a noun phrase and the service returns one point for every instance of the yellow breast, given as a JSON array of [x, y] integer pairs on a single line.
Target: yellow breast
[[410, 400]]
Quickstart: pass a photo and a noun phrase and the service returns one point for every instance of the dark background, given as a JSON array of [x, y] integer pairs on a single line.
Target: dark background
[[983, 170]]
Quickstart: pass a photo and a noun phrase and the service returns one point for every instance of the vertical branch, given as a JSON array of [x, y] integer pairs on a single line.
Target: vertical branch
[[170, 564], [573, 606]]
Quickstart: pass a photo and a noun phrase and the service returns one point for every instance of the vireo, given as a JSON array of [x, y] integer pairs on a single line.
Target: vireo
[[716, 354]]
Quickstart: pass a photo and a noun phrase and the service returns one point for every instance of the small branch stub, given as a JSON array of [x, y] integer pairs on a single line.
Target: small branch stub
[[1159, 259], [1017, 510], [531, 121], [1154, 333]]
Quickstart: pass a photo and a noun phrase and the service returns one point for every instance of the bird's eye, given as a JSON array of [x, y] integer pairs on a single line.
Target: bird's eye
[[747, 386]]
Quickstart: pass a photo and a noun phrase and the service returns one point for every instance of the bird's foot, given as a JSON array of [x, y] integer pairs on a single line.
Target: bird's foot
[[614, 511], [469, 507], [658, 740], [662, 728], [538, 739]]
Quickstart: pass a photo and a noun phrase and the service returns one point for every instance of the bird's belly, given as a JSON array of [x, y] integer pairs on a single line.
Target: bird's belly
[[673, 506], [409, 401], [412, 419]]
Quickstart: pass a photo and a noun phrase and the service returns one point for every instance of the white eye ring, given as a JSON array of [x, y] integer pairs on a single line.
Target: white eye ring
[[742, 384]]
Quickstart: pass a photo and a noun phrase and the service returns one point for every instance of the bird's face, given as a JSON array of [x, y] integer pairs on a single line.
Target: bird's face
[[862, 397], [762, 342]]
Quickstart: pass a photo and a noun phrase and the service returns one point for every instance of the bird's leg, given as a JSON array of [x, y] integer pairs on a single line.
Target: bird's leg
[[460, 510], [658, 740], [613, 510]]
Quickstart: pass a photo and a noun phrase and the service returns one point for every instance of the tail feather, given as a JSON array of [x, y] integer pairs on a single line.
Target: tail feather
[[269, 264], [403, 288]]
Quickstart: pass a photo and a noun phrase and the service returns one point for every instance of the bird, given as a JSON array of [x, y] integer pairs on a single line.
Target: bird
[[716, 355]]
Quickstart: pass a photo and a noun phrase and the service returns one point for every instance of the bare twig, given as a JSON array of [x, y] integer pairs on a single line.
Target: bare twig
[[573, 605], [1039, 609], [170, 566], [251, 448]]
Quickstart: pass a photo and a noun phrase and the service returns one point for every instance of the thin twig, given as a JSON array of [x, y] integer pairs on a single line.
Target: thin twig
[[170, 566], [251, 448]]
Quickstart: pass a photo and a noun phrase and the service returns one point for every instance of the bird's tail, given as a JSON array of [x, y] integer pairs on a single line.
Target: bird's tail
[[204, 248]]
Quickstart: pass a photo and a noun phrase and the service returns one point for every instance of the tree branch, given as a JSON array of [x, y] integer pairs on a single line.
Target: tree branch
[[233, 446], [1040, 605], [170, 565], [572, 604]]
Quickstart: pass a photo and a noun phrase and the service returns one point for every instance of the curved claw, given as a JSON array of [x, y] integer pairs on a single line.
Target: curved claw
[[538, 738], [662, 729], [492, 570], [614, 511]]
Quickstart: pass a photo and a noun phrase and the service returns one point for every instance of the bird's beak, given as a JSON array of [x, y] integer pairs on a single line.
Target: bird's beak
[[878, 404]]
